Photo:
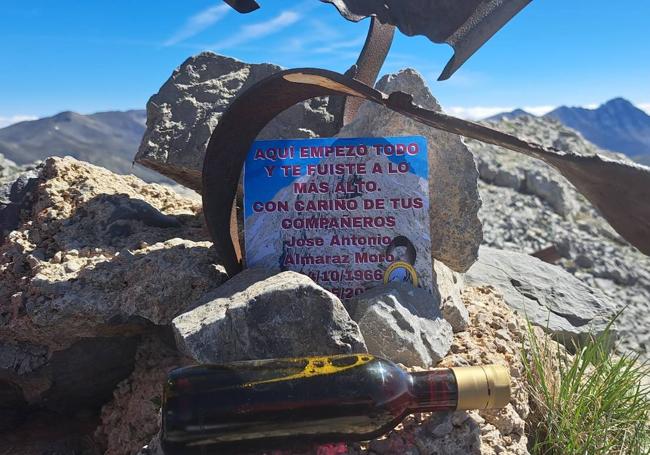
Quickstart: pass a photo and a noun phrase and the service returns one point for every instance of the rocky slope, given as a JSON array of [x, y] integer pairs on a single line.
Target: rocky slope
[[528, 207]]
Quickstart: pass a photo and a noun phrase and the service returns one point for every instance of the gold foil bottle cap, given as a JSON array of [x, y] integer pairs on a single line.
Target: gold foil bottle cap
[[482, 387]]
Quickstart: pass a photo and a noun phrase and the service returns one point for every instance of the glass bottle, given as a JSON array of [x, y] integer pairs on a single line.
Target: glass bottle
[[269, 403]]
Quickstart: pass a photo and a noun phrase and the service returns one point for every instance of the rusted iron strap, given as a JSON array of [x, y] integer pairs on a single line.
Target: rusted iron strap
[[370, 61], [621, 191]]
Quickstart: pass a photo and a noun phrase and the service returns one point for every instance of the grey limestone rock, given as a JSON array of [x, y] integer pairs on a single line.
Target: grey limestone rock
[[504, 168], [258, 314], [187, 108], [449, 285], [402, 323], [456, 231], [546, 294], [15, 191]]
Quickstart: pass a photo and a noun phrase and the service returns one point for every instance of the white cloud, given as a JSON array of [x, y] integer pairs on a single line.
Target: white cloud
[[338, 46], [6, 121], [539, 110], [481, 112], [476, 112], [197, 23], [644, 107], [254, 31]]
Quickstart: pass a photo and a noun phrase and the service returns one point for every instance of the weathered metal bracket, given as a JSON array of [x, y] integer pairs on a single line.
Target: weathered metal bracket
[[243, 6], [465, 25], [620, 190], [370, 61]]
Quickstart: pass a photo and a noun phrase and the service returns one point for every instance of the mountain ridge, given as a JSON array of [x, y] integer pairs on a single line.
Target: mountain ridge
[[109, 139], [616, 125]]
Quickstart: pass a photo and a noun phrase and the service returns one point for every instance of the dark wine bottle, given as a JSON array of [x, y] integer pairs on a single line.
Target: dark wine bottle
[[266, 403]]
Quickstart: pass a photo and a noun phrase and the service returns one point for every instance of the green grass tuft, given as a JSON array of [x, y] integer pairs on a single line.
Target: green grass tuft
[[593, 402]]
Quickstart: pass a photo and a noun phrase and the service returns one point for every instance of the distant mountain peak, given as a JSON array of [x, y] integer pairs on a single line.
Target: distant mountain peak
[[618, 101], [616, 125], [66, 116], [508, 115]]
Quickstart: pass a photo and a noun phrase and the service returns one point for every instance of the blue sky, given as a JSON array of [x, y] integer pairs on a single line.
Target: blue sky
[[94, 56]]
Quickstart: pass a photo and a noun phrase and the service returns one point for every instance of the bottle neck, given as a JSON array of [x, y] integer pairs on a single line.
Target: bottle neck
[[434, 391]]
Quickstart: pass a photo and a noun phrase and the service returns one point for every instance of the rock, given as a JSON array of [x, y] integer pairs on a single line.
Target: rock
[[9, 170], [187, 108], [456, 231], [506, 420], [402, 323], [133, 416], [96, 260], [505, 168], [89, 258], [15, 199], [258, 315], [551, 190], [125, 289], [450, 287], [547, 295], [456, 314], [84, 376], [46, 432], [79, 378]]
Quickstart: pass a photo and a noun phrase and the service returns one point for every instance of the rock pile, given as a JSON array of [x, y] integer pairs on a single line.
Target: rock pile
[[109, 282]]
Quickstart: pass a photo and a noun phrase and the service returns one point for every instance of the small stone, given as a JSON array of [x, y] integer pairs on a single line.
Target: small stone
[[402, 323], [58, 256], [72, 266], [258, 314], [459, 417], [502, 346], [443, 429]]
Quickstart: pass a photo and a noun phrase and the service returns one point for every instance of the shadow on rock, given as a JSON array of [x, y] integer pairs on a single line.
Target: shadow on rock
[[117, 221]]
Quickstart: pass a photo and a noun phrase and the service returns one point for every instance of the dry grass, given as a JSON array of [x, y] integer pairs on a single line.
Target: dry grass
[[593, 402]]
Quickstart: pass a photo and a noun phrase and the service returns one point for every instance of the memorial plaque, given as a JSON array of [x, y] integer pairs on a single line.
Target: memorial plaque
[[348, 212]]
